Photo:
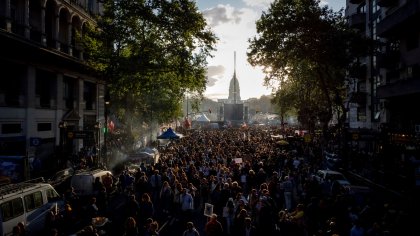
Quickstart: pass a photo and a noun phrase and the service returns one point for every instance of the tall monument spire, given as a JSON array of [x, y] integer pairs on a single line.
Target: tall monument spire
[[234, 76], [234, 63], [234, 91]]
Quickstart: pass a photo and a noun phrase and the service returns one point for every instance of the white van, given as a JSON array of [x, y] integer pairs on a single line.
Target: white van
[[82, 181], [27, 202]]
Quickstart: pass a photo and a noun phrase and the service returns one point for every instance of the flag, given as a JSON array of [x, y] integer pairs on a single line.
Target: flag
[[111, 126], [187, 123]]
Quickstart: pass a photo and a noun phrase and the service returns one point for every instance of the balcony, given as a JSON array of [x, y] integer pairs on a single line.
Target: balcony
[[78, 3], [18, 28], [36, 36], [357, 20], [45, 102], [388, 60], [65, 48], [387, 3], [356, 1], [399, 88], [12, 100], [2, 99], [391, 24], [358, 72], [359, 97], [392, 75]]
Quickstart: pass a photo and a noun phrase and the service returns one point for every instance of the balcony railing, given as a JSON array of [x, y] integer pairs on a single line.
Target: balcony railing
[[18, 28], [404, 14], [387, 3], [356, 1], [12, 100], [399, 88], [358, 72], [36, 36], [64, 48], [389, 59], [357, 20], [79, 3], [359, 97], [392, 75]]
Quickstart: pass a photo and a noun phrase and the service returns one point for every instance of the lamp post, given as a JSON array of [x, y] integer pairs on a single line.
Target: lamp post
[[107, 103], [187, 104], [98, 126], [62, 126]]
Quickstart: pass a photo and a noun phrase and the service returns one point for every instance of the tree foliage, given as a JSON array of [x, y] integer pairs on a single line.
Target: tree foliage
[[150, 52], [305, 47]]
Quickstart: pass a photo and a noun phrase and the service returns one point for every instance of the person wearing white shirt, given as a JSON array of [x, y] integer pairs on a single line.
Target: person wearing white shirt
[[187, 204]]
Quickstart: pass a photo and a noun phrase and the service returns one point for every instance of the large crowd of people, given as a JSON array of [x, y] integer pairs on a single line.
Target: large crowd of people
[[234, 182]]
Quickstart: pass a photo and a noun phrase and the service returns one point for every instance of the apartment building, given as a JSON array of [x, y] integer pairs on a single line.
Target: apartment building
[[384, 89], [51, 103], [388, 80]]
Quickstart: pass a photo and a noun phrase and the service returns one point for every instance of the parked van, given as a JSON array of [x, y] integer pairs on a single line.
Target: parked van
[[27, 202], [82, 181]]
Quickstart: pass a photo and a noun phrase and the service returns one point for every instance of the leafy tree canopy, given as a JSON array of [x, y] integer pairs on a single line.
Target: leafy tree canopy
[[150, 52], [308, 46]]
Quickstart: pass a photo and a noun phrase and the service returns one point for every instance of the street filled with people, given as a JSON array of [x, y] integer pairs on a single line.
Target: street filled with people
[[228, 182]]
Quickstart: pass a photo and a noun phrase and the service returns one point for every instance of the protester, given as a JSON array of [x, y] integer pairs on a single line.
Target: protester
[[267, 186], [213, 226], [191, 230], [131, 227]]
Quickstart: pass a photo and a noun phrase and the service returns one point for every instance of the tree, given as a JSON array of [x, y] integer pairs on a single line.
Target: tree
[[150, 52], [308, 45]]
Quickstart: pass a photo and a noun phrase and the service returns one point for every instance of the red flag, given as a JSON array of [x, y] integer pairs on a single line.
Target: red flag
[[187, 123], [111, 126]]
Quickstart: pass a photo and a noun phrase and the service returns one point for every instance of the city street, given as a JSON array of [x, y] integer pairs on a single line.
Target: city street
[[225, 117]]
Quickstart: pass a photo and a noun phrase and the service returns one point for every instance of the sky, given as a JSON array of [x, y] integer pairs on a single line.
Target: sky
[[233, 22]]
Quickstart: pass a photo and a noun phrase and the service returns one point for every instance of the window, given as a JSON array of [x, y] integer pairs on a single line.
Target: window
[[44, 127], [45, 87], [69, 92], [412, 41], [12, 209], [14, 91], [89, 95], [91, 6], [33, 201], [52, 195], [361, 113], [11, 128], [361, 8]]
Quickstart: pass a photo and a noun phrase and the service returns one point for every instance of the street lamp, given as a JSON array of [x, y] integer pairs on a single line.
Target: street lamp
[[107, 103], [62, 125], [98, 126]]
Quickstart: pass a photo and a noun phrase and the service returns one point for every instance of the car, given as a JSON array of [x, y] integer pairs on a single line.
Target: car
[[28, 202], [83, 181], [332, 182], [332, 161], [331, 176], [61, 180]]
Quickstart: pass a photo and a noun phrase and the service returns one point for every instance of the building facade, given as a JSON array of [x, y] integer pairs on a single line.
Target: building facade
[[384, 87], [51, 104]]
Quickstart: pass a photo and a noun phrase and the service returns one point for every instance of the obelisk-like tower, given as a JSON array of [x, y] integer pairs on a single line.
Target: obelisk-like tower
[[234, 90]]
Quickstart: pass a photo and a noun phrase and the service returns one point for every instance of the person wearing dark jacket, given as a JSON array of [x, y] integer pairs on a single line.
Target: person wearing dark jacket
[[213, 226], [248, 229]]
